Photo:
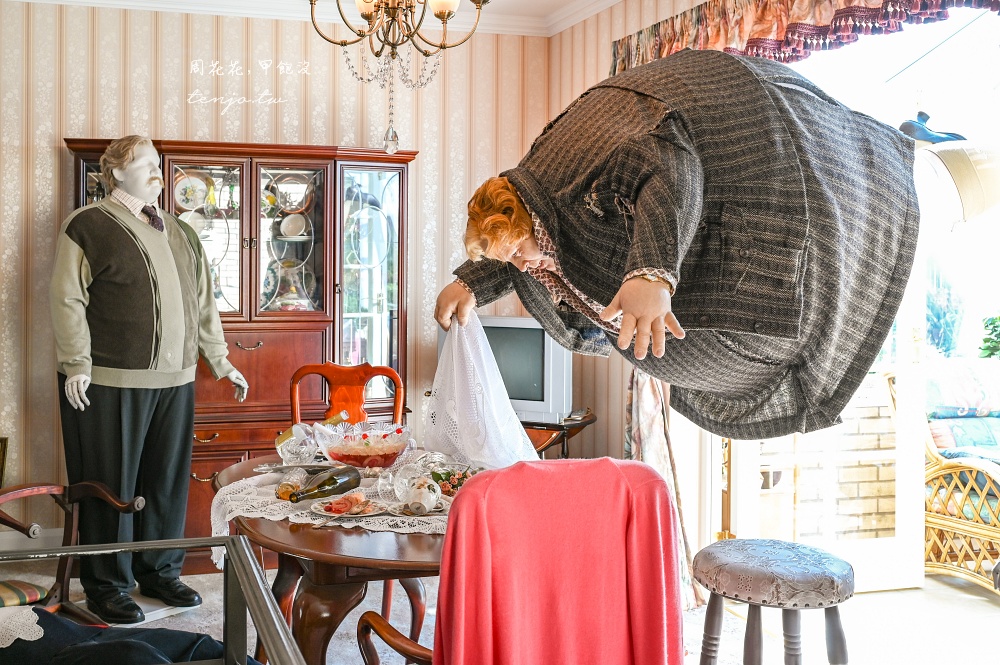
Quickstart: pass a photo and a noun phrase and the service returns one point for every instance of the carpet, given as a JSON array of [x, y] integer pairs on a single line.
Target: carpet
[[343, 649]]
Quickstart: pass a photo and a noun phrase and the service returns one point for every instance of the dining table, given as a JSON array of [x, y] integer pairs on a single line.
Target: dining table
[[323, 573]]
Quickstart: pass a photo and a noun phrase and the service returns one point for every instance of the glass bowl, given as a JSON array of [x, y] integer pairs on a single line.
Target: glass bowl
[[363, 444]]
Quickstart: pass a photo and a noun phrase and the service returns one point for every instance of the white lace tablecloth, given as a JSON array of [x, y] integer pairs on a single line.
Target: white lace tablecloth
[[254, 497]]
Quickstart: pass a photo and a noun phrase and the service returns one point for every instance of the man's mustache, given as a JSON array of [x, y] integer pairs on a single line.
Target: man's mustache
[[156, 179]]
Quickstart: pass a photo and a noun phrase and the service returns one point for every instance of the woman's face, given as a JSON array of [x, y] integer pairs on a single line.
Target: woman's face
[[526, 254]]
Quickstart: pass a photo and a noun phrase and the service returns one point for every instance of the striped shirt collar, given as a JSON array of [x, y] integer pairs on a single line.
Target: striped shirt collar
[[134, 205]]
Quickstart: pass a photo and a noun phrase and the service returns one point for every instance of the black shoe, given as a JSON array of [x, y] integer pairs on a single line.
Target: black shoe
[[173, 592], [117, 609]]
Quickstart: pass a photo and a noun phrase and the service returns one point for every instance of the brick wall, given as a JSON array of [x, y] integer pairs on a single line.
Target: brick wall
[[833, 490]]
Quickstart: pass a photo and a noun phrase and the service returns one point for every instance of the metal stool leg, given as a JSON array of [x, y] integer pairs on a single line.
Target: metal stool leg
[[753, 642], [713, 631], [791, 627], [836, 642]]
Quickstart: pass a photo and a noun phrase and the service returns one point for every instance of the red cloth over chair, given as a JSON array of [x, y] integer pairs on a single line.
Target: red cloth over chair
[[556, 561]]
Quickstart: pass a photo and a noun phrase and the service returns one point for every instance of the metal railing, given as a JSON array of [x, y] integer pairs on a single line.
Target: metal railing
[[244, 588]]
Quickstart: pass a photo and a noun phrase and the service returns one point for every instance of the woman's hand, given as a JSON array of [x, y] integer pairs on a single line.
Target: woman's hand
[[453, 299], [645, 309]]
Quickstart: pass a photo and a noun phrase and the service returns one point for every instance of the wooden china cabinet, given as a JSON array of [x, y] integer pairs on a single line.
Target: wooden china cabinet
[[306, 249]]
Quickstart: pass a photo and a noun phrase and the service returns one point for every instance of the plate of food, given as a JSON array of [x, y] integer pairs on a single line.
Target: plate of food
[[349, 505], [400, 510]]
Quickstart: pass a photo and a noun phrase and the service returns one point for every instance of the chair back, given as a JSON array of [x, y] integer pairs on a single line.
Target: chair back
[[561, 561], [68, 499], [346, 384]]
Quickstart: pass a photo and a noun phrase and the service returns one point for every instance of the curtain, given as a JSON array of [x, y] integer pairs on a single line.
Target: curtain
[[647, 439], [783, 30]]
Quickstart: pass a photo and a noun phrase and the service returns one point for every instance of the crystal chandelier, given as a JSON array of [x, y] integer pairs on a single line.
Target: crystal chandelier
[[391, 24]]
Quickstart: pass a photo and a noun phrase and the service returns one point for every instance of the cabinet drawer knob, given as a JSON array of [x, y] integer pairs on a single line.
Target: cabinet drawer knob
[[194, 476], [209, 439], [251, 348]]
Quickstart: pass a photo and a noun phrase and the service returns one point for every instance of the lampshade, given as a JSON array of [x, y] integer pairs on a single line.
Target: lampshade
[[438, 7], [974, 171]]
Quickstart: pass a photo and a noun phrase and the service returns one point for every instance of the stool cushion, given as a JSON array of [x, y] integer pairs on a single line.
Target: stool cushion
[[774, 572]]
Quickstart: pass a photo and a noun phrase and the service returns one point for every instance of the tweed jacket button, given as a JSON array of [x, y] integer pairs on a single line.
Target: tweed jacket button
[[744, 252], [703, 320], [758, 326]]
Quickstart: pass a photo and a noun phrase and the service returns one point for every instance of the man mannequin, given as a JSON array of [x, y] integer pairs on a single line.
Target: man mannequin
[[132, 309]]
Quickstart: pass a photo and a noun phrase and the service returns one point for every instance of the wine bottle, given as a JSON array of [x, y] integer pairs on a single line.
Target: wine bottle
[[336, 419], [337, 480]]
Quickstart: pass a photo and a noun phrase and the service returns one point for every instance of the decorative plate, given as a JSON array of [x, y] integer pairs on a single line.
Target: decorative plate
[[373, 508], [190, 190], [273, 279], [194, 219], [293, 225], [295, 191]]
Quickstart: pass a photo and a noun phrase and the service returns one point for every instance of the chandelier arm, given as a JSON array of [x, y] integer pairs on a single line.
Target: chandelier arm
[[339, 42], [444, 43]]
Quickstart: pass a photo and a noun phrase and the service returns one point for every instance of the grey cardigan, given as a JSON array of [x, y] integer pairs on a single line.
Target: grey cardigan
[[788, 222]]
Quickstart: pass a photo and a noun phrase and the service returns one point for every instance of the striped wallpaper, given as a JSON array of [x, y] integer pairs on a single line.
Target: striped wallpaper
[[77, 71]]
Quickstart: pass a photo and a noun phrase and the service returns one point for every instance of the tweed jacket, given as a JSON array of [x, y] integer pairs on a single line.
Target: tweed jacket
[[787, 221]]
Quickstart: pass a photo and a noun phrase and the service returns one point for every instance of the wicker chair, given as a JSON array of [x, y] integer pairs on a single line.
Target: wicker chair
[[961, 513]]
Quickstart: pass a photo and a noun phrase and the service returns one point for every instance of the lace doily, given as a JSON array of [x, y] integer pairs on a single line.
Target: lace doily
[[18, 622], [254, 497]]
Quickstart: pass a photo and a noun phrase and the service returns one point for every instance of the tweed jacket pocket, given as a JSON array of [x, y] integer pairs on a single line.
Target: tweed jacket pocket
[[758, 255]]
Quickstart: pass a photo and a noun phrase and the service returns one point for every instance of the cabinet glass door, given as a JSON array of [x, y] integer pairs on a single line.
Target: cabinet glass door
[[207, 197], [370, 292], [93, 184], [291, 234]]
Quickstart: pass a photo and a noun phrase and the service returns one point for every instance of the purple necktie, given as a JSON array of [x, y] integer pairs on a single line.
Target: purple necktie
[[154, 219]]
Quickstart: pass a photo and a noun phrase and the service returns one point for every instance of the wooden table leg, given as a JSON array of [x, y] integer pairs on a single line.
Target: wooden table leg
[[317, 612], [283, 588], [414, 588]]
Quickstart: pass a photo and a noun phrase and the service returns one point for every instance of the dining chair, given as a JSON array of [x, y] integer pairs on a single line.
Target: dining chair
[[554, 561], [68, 498], [346, 385]]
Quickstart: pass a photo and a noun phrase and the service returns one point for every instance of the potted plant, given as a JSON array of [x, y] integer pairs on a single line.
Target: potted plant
[[990, 347]]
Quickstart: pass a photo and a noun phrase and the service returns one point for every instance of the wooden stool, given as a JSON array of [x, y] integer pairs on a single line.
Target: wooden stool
[[773, 572]]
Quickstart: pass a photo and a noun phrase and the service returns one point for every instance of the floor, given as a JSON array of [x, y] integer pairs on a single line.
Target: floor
[[882, 628]]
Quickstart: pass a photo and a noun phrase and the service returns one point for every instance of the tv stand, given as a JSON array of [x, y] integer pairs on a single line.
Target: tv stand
[[545, 435]]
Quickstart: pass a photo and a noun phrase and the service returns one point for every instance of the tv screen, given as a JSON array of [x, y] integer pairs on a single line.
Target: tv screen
[[536, 371], [520, 354]]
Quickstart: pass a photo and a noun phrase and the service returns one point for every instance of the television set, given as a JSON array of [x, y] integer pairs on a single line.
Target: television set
[[537, 372]]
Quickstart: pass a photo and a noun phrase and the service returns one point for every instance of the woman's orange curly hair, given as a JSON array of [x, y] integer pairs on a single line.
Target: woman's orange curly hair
[[497, 220]]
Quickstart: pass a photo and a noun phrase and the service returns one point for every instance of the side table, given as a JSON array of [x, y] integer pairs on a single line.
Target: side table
[[545, 435]]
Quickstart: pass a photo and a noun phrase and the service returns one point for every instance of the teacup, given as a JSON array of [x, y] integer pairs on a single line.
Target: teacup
[[422, 496]]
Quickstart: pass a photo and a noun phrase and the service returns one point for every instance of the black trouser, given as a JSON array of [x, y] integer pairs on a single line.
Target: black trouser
[[138, 442]]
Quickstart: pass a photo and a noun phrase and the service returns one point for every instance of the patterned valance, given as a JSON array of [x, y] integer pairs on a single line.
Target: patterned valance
[[783, 30]]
